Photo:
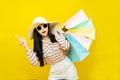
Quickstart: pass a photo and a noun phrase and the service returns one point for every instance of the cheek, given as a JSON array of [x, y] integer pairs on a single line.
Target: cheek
[[40, 32]]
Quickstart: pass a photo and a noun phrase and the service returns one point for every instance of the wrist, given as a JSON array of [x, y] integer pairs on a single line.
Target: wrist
[[27, 47]]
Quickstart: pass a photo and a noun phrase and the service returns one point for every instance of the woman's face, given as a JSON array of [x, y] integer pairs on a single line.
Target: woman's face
[[42, 29]]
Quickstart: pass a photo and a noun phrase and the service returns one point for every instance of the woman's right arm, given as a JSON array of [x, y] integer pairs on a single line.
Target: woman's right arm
[[32, 56], [30, 53]]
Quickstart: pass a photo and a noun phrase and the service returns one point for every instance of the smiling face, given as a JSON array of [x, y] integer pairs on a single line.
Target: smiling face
[[42, 29]]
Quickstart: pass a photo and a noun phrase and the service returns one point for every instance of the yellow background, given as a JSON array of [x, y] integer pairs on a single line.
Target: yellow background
[[16, 17]]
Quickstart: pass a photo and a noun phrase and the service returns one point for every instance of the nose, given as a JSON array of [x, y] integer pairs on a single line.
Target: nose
[[42, 28]]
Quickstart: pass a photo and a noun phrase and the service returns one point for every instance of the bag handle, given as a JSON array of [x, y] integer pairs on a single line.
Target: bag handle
[[64, 29]]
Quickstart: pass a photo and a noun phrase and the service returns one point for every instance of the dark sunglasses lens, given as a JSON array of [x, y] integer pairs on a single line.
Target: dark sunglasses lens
[[39, 28], [45, 25]]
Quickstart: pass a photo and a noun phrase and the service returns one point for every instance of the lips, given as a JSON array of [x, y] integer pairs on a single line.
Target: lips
[[43, 31]]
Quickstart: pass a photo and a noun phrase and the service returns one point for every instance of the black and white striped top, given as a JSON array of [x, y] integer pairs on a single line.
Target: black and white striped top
[[53, 52]]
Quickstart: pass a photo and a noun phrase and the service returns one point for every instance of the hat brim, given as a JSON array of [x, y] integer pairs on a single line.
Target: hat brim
[[51, 24]]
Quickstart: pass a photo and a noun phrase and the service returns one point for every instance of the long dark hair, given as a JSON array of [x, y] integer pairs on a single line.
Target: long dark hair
[[38, 44]]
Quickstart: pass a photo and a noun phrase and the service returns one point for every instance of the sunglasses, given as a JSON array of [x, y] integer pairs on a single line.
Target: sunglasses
[[44, 25]]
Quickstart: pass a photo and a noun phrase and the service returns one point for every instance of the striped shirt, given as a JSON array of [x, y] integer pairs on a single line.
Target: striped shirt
[[53, 52]]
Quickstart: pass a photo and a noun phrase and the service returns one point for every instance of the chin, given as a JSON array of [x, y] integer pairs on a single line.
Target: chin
[[44, 35]]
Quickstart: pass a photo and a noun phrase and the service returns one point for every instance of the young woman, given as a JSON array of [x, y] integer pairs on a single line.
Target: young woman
[[50, 48]]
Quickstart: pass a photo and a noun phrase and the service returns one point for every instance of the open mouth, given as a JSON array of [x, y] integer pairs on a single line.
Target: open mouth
[[43, 31]]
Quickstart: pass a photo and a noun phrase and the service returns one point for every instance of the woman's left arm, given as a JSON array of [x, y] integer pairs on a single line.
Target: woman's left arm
[[64, 44]]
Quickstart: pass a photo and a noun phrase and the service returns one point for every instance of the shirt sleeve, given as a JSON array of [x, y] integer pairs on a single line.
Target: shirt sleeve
[[32, 57], [64, 44]]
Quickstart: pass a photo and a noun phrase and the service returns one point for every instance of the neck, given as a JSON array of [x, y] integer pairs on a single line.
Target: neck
[[45, 37]]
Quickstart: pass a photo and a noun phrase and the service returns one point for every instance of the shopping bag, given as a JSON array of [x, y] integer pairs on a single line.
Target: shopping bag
[[77, 52]]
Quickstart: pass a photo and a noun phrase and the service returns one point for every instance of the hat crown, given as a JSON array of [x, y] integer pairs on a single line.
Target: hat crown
[[39, 20]]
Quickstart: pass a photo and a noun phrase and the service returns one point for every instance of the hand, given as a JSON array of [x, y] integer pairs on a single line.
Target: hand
[[22, 41], [66, 33]]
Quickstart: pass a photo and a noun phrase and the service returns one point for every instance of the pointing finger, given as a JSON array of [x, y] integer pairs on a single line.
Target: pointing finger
[[18, 37], [23, 37]]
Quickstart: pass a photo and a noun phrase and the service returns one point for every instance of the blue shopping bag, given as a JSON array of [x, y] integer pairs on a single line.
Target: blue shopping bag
[[77, 52]]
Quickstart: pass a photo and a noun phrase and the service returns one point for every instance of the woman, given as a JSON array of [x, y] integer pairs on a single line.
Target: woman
[[50, 48]]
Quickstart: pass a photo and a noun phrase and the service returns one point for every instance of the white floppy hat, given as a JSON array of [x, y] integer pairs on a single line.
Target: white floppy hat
[[40, 20]]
